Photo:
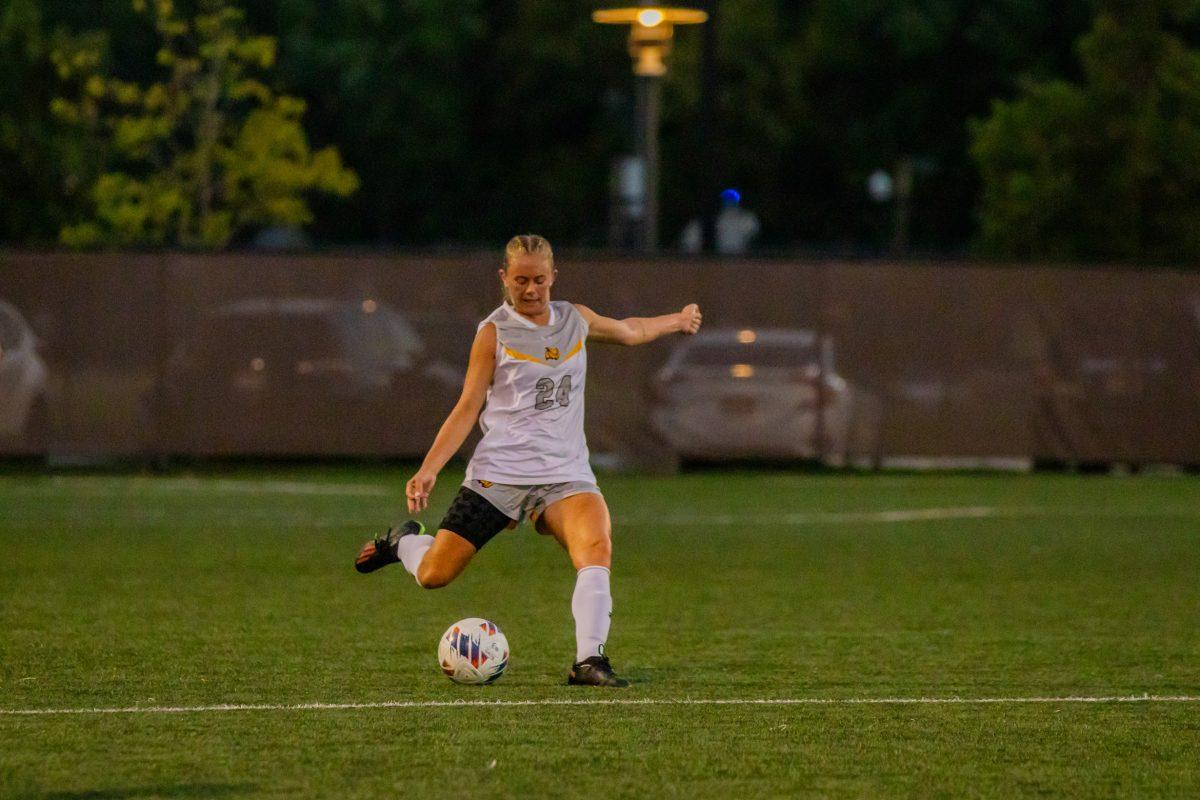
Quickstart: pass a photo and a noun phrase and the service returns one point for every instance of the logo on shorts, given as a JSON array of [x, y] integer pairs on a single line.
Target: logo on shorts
[[552, 354], [486, 484]]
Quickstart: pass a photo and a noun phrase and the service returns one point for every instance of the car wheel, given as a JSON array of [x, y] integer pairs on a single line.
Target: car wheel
[[865, 436]]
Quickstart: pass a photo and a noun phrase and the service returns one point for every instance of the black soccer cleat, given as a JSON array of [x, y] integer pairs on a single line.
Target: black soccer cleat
[[381, 551], [594, 671]]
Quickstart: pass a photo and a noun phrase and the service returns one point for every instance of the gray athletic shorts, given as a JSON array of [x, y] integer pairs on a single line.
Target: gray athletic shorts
[[521, 502]]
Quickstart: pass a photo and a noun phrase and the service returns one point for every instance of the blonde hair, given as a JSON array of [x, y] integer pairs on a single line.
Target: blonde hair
[[525, 244]]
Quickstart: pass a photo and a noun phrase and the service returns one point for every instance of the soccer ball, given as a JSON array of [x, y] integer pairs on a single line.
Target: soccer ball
[[473, 651]]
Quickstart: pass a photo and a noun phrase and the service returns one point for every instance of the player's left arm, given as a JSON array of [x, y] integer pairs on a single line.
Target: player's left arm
[[639, 330]]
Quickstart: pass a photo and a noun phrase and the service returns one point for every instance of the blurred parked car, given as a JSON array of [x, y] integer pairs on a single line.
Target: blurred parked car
[[1131, 400], [759, 393], [24, 418], [447, 336], [304, 376]]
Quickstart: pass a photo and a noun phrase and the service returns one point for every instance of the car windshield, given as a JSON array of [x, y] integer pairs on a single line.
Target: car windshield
[[283, 339], [763, 355], [449, 336], [381, 338]]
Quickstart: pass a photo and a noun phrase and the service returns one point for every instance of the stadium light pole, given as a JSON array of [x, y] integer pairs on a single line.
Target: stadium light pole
[[651, 31]]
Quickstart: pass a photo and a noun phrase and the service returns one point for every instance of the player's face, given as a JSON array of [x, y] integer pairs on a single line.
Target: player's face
[[528, 280]]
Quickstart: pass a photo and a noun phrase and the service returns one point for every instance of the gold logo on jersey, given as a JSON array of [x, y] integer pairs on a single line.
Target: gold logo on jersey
[[486, 484], [551, 354]]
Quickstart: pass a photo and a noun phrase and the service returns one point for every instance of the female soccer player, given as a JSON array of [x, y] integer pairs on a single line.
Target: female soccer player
[[526, 372]]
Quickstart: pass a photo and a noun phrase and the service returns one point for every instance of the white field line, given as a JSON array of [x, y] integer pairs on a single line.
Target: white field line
[[818, 518], [682, 701], [894, 516], [303, 520], [286, 487], [110, 486]]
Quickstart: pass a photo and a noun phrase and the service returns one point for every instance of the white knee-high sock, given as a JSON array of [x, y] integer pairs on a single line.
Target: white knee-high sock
[[592, 606], [412, 549]]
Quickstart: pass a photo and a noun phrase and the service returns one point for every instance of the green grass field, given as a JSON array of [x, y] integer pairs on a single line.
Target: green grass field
[[120, 592]]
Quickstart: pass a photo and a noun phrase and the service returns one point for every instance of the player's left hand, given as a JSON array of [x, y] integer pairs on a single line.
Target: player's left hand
[[690, 318]]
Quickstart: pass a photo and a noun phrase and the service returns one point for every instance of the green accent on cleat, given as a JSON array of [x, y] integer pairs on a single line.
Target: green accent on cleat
[[381, 551]]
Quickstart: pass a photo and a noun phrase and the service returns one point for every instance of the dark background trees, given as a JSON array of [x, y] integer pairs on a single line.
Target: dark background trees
[[472, 120]]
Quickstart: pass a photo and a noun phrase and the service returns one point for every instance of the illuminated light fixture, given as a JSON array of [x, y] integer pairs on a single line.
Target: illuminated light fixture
[[369, 306], [257, 364], [650, 17], [643, 16], [747, 336], [650, 33], [741, 371]]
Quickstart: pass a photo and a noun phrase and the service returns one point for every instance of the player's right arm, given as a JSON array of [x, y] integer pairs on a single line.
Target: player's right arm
[[480, 368]]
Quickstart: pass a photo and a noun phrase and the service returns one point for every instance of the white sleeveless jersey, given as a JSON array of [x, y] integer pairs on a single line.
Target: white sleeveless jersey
[[532, 420]]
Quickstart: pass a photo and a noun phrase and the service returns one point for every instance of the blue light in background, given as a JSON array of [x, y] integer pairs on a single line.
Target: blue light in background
[[731, 197]]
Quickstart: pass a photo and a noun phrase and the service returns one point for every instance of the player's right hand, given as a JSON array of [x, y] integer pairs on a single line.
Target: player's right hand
[[417, 490]]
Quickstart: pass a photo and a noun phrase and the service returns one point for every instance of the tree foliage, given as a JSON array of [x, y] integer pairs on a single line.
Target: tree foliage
[[470, 120], [389, 83], [478, 118], [203, 153], [814, 97], [1105, 167], [39, 161]]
